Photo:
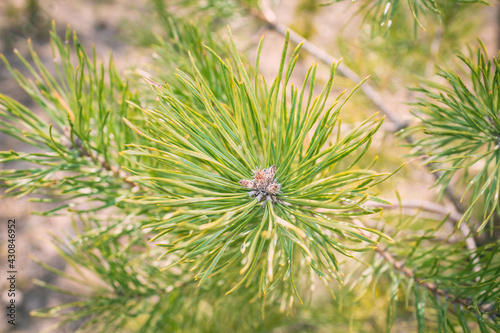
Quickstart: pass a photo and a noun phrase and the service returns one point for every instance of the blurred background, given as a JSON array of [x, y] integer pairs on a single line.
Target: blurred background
[[395, 59]]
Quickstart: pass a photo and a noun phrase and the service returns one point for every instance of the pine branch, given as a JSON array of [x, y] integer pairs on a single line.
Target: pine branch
[[461, 128], [82, 137], [424, 205], [431, 287], [266, 15], [105, 166], [381, 13], [242, 180], [227, 180]]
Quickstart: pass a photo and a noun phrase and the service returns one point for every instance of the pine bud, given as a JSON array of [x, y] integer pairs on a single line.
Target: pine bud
[[264, 186]]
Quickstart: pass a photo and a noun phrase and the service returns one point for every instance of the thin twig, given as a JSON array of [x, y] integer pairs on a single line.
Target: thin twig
[[71, 142], [117, 172], [427, 206], [266, 15], [433, 207], [410, 274]]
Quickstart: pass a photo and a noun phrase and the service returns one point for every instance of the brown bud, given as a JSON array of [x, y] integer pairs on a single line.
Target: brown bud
[[259, 174], [264, 186], [271, 172], [247, 184], [273, 188]]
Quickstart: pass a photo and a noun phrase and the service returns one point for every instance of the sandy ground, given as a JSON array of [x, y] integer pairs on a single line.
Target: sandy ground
[[101, 23]]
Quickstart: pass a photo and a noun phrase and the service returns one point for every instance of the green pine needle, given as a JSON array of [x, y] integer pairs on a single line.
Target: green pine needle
[[205, 152], [462, 130]]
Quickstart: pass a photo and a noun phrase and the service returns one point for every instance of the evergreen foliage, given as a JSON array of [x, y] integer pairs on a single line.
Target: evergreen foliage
[[381, 13], [462, 127], [208, 199], [81, 133], [207, 151]]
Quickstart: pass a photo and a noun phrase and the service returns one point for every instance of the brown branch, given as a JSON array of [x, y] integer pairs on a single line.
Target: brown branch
[[71, 142], [427, 206], [267, 16], [410, 274], [98, 159], [433, 207]]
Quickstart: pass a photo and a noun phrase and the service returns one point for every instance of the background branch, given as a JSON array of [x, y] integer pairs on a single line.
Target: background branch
[[410, 274]]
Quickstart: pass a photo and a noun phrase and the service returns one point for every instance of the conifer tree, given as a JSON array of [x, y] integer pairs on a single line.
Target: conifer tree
[[209, 198]]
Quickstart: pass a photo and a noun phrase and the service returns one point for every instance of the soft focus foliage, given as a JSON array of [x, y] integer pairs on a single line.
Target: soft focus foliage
[[460, 120], [381, 13], [84, 103], [208, 198]]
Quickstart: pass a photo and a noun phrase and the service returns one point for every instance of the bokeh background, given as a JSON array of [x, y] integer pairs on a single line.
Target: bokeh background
[[114, 26]]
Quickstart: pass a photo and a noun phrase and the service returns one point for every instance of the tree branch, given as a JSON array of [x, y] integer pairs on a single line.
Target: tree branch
[[101, 161], [266, 15], [433, 207], [410, 274]]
